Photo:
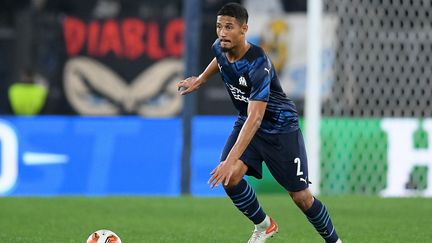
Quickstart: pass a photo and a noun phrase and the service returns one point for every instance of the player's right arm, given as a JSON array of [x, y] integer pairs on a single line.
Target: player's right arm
[[193, 83]]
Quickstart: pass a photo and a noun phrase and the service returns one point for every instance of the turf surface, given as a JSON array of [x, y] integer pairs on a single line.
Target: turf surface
[[188, 219]]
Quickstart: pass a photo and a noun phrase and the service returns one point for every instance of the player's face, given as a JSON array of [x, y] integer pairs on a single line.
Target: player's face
[[230, 32]]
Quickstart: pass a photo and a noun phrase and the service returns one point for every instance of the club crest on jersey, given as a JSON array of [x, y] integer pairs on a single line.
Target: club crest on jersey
[[242, 81]]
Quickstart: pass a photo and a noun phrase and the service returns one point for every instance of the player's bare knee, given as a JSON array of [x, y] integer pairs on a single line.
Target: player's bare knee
[[232, 183], [303, 199], [238, 175]]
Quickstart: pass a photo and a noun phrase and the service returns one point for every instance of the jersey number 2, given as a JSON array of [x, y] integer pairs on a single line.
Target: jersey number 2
[[297, 161]]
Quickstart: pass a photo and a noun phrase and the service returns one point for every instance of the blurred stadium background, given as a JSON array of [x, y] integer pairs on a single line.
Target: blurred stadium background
[[89, 107]]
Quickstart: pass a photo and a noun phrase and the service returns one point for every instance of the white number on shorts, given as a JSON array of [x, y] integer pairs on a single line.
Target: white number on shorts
[[297, 161]]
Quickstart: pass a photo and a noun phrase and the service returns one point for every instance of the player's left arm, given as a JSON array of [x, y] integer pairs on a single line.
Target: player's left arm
[[223, 173], [256, 110]]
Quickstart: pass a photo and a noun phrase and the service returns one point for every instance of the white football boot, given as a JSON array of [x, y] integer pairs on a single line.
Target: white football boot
[[260, 235]]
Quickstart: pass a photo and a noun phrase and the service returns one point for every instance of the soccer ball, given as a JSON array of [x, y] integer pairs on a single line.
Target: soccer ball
[[103, 236]]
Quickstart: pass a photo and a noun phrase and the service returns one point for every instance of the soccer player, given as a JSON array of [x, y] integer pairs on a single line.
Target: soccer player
[[267, 129]]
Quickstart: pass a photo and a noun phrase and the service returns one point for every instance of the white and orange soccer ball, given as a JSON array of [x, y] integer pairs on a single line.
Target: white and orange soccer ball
[[103, 236]]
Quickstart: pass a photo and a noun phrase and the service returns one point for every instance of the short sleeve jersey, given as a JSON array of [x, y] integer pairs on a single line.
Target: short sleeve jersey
[[253, 77]]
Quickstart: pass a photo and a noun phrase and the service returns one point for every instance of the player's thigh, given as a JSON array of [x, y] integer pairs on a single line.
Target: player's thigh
[[287, 161], [229, 143]]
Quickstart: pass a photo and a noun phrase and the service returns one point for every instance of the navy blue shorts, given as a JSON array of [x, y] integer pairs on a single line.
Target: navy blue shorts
[[284, 155]]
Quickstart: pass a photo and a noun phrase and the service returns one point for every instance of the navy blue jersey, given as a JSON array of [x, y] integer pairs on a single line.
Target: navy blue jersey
[[253, 77]]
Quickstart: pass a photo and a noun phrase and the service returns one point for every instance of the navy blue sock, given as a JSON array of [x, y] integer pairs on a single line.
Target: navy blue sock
[[320, 219], [244, 198]]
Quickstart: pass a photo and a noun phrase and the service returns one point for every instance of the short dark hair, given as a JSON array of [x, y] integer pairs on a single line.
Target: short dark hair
[[235, 10]]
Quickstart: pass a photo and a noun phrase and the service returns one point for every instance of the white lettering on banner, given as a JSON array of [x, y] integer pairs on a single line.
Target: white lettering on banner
[[9, 157], [403, 157]]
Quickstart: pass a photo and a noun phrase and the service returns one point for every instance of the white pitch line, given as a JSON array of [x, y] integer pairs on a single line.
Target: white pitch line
[[30, 158]]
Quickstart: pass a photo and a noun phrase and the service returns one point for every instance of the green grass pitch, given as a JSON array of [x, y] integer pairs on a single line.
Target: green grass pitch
[[189, 219]]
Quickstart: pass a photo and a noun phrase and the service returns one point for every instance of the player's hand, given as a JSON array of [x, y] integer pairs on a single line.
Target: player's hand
[[221, 174], [187, 85]]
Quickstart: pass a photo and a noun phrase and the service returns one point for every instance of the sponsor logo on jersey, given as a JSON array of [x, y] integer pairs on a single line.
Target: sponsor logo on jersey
[[237, 93]]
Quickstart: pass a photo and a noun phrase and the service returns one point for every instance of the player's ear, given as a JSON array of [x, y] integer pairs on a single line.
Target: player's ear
[[244, 28]]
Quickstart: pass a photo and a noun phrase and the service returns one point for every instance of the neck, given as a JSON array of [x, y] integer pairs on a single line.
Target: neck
[[237, 53]]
